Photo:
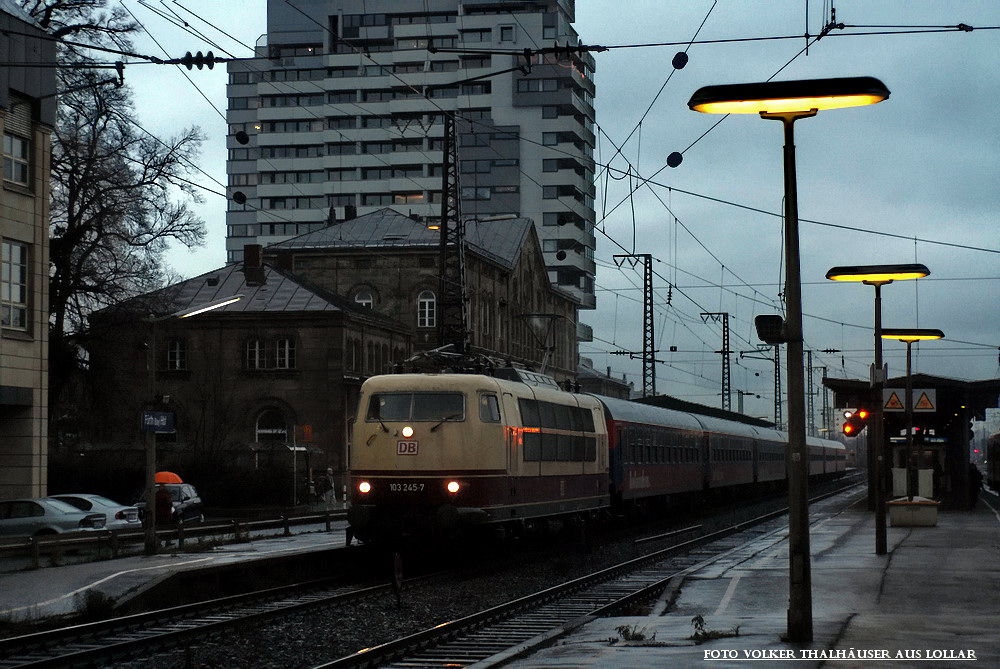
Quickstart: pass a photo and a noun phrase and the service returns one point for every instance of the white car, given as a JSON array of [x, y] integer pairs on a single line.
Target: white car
[[37, 517], [119, 516]]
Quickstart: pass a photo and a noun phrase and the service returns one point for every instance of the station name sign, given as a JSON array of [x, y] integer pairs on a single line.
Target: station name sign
[[157, 421]]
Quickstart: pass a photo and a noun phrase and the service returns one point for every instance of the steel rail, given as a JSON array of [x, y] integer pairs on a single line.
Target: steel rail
[[547, 613]]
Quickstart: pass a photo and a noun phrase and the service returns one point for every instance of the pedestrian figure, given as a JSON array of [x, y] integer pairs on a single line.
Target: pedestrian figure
[[975, 484], [323, 485], [330, 497]]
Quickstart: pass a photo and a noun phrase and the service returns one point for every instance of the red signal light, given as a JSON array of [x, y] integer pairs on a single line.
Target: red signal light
[[855, 423]]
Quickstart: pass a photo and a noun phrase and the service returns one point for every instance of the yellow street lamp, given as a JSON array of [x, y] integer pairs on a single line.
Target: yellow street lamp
[[788, 101], [150, 430], [910, 335], [877, 276]]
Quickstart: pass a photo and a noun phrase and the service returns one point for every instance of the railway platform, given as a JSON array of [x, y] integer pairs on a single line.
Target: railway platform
[[61, 591], [932, 601]]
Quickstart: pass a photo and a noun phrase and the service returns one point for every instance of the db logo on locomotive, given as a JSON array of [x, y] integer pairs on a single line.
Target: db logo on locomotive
[[406, 448]]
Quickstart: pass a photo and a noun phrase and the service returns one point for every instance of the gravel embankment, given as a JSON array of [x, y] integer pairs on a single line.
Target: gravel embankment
[[308, 639]]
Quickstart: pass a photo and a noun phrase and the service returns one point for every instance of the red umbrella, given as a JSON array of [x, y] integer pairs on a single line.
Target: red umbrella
[[168, 477]]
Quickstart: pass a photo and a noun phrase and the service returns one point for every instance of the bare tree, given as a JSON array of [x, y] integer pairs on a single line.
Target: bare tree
[[119, 194], [88, 21]]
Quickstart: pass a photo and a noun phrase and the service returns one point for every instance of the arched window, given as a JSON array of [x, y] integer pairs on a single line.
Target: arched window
[[364, 298], [426, 310], [255, 354], [176, 354], [272, 428]]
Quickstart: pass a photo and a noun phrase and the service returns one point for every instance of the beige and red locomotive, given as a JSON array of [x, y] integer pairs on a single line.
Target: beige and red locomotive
[[430, 452]]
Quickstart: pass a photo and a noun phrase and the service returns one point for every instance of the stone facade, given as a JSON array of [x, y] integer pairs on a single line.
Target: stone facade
[[514, 313], [276, 368], [26, 120]]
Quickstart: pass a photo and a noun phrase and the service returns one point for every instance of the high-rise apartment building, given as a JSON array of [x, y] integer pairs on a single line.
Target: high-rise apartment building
[[342, 113]]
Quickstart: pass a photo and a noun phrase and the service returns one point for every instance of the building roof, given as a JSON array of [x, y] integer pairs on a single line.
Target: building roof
[[276, 293], [499, 240], [14, 9]]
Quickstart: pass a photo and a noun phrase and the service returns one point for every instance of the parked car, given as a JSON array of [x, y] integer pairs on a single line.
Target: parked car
[[36, 517], [119, 516], [185, 503]]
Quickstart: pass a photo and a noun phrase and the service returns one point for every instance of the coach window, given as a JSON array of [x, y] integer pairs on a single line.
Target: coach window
[[547, 414], [529, 412], [489, 409]]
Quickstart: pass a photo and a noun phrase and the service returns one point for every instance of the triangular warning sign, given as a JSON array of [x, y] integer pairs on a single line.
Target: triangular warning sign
[[893, 402], [923, 403]]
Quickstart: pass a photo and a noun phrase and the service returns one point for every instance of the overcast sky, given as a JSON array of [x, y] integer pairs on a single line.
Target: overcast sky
[[913, 179]]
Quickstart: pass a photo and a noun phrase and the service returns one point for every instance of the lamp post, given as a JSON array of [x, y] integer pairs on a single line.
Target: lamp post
[[877, 276], [910, 335], [788, 101], [150, 512]]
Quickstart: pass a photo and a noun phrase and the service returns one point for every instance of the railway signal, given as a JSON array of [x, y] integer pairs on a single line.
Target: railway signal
[[855, 422]]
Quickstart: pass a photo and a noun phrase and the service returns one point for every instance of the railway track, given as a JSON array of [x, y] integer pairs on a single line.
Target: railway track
[[483, 635], [502, 633], [130, 636]]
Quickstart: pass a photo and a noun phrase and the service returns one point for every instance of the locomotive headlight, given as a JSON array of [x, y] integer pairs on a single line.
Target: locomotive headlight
[[407, 431], [364, 487], [453, 487]]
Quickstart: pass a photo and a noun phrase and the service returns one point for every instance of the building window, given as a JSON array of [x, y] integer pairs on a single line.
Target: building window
[[426, 310], [14, 285], [506, 33], [255, 354], [15, 159], [271, 428], [176, 354], [285, 354], [408, 198], [364, 298]]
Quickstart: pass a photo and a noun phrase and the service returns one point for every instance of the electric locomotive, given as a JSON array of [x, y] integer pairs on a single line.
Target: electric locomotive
[[433, 452]]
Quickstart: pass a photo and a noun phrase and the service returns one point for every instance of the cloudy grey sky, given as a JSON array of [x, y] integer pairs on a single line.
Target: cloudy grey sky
[[913, 179]]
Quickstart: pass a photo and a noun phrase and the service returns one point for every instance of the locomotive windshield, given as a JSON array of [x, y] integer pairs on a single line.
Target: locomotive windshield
[[416, 406]]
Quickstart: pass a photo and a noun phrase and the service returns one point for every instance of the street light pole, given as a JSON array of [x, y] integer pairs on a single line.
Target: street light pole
[[789, 101], [910, 335], [878, 276], [150, 542], [876, 448], [797, 457]]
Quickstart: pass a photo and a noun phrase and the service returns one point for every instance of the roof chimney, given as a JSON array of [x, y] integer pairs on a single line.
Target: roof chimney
[[253, 265]]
